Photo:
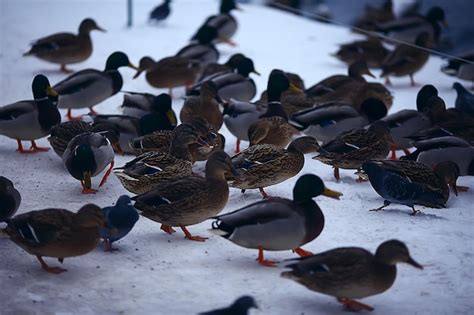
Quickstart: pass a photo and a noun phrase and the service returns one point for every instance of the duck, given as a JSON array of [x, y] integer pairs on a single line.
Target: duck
[[327, 121], [86, 156], [119, 221], [213, 68], [224, 22], [371, 50], [66, 48], [464, 99], [373, 15], [352, 148], [160, 12], [190, 199], [406, 60], [32, 119], [151, 168], [57, 233], [233, 85], [89, 87], [205, 105], [409, 28], [10, 199], [264, 165], [140, 104], [461, 69], [410, 183], [349, 273], [201, 48], [238, 116], [64, 132], [169, 72], [277, 224], [241, 306], [355, 71]]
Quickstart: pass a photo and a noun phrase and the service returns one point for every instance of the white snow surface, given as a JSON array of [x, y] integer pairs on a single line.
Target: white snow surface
[[161, 274]]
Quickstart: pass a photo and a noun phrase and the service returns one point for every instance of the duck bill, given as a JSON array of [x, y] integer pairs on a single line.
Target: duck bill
[[171, 117], [227, 41], [100, 29], [331, 193], [87, 178], [256, 72], [139, 71], [51, 92], [370, 74], [131, 65], [294, 88], [412, 262]]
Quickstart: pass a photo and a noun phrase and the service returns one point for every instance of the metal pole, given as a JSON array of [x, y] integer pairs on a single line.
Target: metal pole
[[129, 13]]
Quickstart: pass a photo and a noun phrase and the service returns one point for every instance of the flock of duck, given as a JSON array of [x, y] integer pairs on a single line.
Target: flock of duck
[[343, 118]]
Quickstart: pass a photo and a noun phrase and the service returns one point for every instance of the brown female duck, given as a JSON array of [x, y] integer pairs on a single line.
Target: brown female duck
[[371, 50]]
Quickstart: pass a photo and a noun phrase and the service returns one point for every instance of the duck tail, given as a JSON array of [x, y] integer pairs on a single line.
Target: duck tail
[[221, 229], [297, 125]]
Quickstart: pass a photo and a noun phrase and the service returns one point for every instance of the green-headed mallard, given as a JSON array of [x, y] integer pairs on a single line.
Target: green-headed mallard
[[264, 165], [370, 50], [188, 200], [66, 48], [10, 199], [32, 119], [86, 156], [352, 148], [56, 233], [89, 87], [151, 168], [349, 273], [277, 223], [411, 183]]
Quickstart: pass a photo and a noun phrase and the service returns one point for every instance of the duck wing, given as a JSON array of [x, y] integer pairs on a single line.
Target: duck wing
[[53, 42]]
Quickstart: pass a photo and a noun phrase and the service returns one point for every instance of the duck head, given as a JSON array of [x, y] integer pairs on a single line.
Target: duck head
[[459, 88], [424, 94], [243, 304], [227, 6], [42, 88], [209, 91], [88, 25], [393, 252], [90, 216], [309, 186], [436, 109], [162, 104], [437, 15], [145, 64], [118, 59], [245, 66], [358, 68], [234, 60], [83, 164], [278, 83], [219, 164], [373, 108], [205, 34], [449, 171]]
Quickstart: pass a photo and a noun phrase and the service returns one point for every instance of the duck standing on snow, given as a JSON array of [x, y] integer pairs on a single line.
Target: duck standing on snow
[[349, 273], [32, 119], [461, 69], [89, 87], [86, 156], [464, 99], [370, 50], [56, 233], [277, 223], [241, 306], [66, 48], [140, 104], [201, 48], [119, 221], [10, 199], [188, 200], [161, 12]]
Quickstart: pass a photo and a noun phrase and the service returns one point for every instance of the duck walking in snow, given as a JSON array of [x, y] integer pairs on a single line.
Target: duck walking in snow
[[10, 199], [161, 12]]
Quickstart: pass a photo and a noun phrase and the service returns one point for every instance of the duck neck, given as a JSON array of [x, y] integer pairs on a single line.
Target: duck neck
[[314, 219], [275, 109], [48, 114]]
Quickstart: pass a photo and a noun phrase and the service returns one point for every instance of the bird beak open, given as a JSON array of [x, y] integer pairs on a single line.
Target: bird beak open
[[87, 177], [331, 193], [139, 71], [295, 89], [412, 262], [131, 65], [51, 92]]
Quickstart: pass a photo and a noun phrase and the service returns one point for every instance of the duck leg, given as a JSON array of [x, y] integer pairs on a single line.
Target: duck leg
[[56, 270], [387, 81], [191, 237], [20, 148], [354, 306], [414, 211], [264, 194], [86, 190], [412, 80], [65, 70], [118, 149], [34, 148], [72, 118], [237, 146], [108, 246], [406, 151], [167, 228], [336, 173], [107, 174], [386, 203], [302, 253], [394, 154], [265, 262], [92, 111]]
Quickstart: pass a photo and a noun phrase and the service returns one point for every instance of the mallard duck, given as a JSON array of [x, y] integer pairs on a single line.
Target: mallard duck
[[56, 233], [406, 60], [241, 306], [373, 15], [86, 156], [238, 116], [140, 104], [411, 183], [352, 148], [169, 72], [201, 48], [408, 28], [119, 221], [264, 165], [10, 199], [89, 87], [214, 68], [326, 121], [277, 223], [66, 48], [349, 273], [464, 100], [64, 132], [370, 50], [355, 71], [206, 105], [151, 168], [188, 200], [233, 85], [461, 69], [32, 119], [161, 12], [225, 23]]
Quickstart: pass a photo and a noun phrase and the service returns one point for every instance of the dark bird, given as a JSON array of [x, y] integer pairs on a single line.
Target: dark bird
[[464, 99], [10, 199], [161, 12], [202, 48], [241, 306], [461, 69]]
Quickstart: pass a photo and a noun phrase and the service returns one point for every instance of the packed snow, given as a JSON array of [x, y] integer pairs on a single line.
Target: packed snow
[[166, 274]]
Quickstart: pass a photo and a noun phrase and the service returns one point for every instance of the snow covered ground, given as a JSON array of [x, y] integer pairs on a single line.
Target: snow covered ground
[[161, 274]]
